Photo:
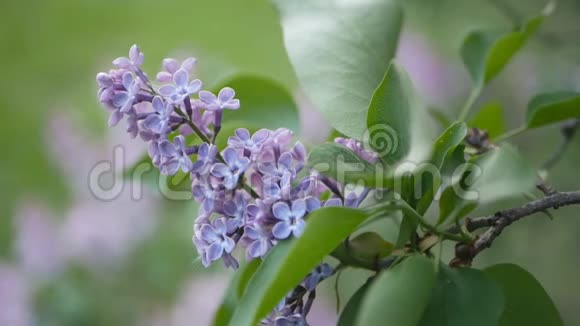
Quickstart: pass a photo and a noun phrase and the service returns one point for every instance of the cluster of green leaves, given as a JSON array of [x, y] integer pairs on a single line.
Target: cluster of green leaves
[[343, 53]]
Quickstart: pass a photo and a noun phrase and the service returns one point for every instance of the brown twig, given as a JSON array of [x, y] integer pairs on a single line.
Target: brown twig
[[497, 222]]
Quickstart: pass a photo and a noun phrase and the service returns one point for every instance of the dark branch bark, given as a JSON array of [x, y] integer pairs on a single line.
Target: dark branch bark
[[502, 219]]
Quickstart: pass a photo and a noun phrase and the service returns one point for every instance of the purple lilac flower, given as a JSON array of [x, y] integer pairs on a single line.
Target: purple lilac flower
[[320, 273], [290, 219], [358, 148], [216, 236], [135, 59], [159, 121], [232, 169], [205, 192], [205, 158], [283, 316], [224, 100], [243, 141], [124, 99], [171, 66], [282, 167], [181, 88], [260, 240], [132, 124], [235, 209], [177, 156]]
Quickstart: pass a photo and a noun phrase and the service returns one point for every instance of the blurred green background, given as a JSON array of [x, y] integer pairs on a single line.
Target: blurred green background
[[51, 51]]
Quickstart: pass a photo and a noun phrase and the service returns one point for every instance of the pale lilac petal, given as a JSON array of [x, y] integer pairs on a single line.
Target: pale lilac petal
[[215, 251], [180, 78], [170, 65], [232, 104], [128, 80], [114, 118], [243, 133], [267, 168], [220, 170], [166, 148], [208, 233], [282, 211], [299, 228], [179, 142], [220, 225], [251, 232], [281, 230], [312, 203], [158, 105], [229, 245], [170, 168], [186, 164], [104, 80], [194, 86], [257, 249], [260, 135], [207, 97], [285, 160], [136, 55], [230, 181], [153, 123], [333, 202], [230, 208], [226, 94], [120, 99], [122, 63], [188, 64], [230, 156], [164, 77], [299, 208], [167, 90]]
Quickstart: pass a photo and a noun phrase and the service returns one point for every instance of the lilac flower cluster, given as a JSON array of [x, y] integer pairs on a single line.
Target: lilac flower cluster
[[253, 193]]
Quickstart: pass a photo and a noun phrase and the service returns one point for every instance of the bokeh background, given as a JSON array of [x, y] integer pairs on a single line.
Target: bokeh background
[[67, 258]]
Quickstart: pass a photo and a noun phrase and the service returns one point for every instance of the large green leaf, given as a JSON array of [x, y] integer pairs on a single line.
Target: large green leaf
[[464, 296], [527, 303], [504, 174], [447, 142], [340, 163], [291, 260], [350, 312], [498, 174], [363, 250], [485, 53], [389, 116], [549, 108], [398, 296], [490, 118], [264, 103], [340, 51]]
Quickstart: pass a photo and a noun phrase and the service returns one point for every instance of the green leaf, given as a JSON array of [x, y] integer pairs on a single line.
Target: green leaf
[[453, 207], [485, 53], [363, 250], [498, 174], [527, 303], [264, 103], [291, 260], [340, 163], [350, 312], [504, 174], [420, 196], [464, 296], [490, 118], [388, 119], [549, 108], [245, 276], [340, 52], [447, 142], [398, 296]]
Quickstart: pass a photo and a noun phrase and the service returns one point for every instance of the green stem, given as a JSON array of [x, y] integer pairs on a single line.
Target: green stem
[[464, 113], [509, 134]]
